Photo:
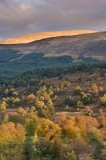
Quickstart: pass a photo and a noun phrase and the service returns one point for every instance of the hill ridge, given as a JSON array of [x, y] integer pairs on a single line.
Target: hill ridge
[[43, 35]]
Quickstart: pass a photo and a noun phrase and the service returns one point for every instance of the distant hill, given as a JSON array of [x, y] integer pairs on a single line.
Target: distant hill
[[52, 52], [38, 36]]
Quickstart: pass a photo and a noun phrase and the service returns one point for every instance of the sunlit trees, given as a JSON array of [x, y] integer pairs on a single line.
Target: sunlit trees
[[95, 139], [21, 111], [5, 119], [11, 101], [31, 121], [84, 122], [32, 109], [86, 98], [48, 129], [77, 90], [47, 143], [30, 128], [88, 158], [88, 111], [103, 100], [102, 120], [15, 93], [44, 104], [3, 106], [50, 91], [30, 98], [69, 128], [11, 141], [94, 89]]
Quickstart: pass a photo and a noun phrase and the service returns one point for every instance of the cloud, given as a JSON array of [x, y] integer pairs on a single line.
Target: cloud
[[19, 17]]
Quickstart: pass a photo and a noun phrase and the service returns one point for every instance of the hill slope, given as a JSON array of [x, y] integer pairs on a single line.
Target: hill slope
[[38, 36], [93, 44], [52, 52]]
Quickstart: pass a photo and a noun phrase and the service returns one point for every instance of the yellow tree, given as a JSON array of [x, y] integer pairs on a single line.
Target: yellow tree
[[103, 99], [12, 139], [48, 129], [94, 89]]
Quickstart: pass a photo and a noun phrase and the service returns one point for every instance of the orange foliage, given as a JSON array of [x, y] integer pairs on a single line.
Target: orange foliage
[[48, 129]]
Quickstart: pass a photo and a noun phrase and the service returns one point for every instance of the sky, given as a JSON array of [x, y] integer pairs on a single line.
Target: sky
[[19, 17]]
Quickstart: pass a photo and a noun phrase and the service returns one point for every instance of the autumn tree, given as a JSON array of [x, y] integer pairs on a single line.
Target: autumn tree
[[21, 111], [103, 100], [48, 129], [3, 106], [30, 98], [95, 139], [86, 98], [44, 104], [32, 109], [77, 90], [12, 139], [31, 121], [94, 89]]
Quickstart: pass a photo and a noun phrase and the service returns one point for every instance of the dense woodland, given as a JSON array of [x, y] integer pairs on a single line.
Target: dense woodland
[[54, 114]]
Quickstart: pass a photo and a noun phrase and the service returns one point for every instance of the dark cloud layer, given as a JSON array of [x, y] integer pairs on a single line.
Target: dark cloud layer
[[19, 17]]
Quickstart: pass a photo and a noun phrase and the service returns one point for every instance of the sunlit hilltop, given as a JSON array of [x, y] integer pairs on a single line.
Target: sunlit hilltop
[[42, 35]]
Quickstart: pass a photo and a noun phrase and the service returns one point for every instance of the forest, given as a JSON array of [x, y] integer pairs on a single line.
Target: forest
[[54, 114]]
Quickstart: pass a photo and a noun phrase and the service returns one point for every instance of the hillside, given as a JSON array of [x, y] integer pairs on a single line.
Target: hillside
[[53, 99], [52, 52], [52, 113], [38, 36], [93, 44]]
